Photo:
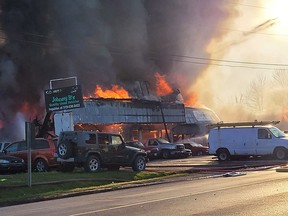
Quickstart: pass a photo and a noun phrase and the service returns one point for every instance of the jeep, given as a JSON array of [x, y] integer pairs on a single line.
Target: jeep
[[96, 150]]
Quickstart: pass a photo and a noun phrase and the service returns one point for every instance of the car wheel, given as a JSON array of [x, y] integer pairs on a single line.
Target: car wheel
[[64, 150], [66, 167], [165, 154], [280, 153], [223, 155], [199, 153], [92, 164], [139, 164], [41, 165]]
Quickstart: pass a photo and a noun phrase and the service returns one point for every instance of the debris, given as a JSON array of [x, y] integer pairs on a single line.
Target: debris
[[234, 174]]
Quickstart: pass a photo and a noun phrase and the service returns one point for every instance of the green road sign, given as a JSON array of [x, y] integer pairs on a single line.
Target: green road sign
[[63, 98]]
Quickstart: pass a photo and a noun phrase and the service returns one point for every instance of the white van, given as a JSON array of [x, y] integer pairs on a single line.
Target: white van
[[254, 140]]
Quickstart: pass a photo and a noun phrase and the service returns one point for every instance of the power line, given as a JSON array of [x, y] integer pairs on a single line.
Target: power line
[[254, 6], [183, 58], [224, 65], [233, 61], [173, 57]]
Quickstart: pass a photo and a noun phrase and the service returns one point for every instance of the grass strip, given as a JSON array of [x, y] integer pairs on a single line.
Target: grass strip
[[49, 185]]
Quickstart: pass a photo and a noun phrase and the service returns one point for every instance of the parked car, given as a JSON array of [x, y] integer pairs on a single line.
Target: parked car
[[196, 148], [167, 149], [136, 144], [228, 140], [42, 153], [3, 145], [151, 152], [95, 150], [11, 164]]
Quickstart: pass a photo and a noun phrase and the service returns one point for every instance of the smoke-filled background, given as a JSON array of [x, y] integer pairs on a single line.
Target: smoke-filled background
[[223, 54]]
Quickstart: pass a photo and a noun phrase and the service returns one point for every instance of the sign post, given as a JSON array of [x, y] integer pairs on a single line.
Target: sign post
[[30, 134]]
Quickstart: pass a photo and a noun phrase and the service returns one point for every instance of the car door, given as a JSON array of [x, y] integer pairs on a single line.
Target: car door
[[40, 149], [117, 149], [18, 149], [90, 143], [152, 144], [263, 144], [105, 147]]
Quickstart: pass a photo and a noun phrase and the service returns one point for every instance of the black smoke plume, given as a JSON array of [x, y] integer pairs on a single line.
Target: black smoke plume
[[100, 42]]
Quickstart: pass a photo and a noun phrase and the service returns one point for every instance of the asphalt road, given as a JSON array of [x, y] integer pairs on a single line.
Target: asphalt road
[[251, 193]]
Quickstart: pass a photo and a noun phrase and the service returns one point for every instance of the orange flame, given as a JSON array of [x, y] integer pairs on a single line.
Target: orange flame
[[29, 110], [192, 100], [115, 92], [162, 87]]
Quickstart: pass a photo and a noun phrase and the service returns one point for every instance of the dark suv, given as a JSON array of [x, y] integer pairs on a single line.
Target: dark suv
[[42, 153], [95, 150]]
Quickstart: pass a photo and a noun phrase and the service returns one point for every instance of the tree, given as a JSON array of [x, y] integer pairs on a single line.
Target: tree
[[255, 94]]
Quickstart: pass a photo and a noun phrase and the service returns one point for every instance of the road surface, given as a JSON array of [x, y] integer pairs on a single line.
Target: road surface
[[251, 193]]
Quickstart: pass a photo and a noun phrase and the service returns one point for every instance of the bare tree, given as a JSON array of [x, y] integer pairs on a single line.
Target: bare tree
[[280, 77], [255, 94]]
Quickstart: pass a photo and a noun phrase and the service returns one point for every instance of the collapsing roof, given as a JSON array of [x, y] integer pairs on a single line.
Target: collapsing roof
[[116, 111], [200, 115], [99, 111]]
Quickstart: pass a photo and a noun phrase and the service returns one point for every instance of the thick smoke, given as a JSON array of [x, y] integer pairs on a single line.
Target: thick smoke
[[100, 42]]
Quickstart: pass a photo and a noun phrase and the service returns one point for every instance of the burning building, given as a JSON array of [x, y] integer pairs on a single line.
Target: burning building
[[136, 119]]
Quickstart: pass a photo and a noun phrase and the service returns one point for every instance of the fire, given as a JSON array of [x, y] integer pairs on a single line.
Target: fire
[[192, 100], [29, 110], [115, 92], [162, 87]]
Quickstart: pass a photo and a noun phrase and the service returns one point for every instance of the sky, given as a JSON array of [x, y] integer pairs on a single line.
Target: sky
[[257, 34], [228, 55]]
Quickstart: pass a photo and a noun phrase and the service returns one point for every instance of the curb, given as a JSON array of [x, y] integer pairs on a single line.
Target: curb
[[282, 169]]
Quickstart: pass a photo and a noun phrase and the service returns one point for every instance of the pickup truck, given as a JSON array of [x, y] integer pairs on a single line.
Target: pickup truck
[[164, 149]]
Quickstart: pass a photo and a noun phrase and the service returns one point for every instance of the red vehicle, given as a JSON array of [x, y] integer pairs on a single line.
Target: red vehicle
[[42, 153], [196, 148]]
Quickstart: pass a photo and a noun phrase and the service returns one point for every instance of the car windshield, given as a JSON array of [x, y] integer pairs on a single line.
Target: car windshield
[[161, 140], [276, 132]]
